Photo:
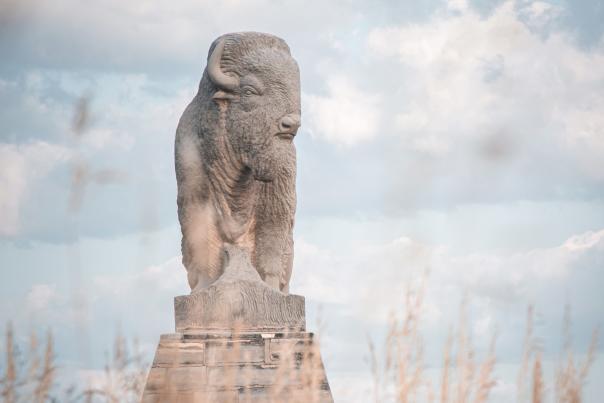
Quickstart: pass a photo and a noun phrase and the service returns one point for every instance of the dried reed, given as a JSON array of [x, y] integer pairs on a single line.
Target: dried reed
[[298, 371]]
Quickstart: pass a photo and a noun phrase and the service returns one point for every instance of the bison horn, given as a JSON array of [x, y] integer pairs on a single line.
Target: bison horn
[[219, 78]]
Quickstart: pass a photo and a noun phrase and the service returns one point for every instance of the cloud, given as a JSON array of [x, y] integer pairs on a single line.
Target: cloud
[[346, 116], [167, 278], [445, 111], [467, 80], [21, 166], [360, 288], [136, 303], [491, 106], [134, 297], [100, 138], [40, 297], [113, 36], [406, 107], [124, 149], [539, 13], [365, 283], [457, 5], [368, 281]]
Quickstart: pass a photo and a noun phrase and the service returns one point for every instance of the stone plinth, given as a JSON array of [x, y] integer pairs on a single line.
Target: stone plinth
[[240, 300], [238, 340], [209, 310], [243, 367]]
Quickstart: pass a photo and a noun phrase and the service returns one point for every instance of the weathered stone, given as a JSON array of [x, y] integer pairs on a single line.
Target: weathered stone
[[187, 378], [240, 334], [156, 379], [177, 355], [240, 367], [258, 395], [240, 300], [236, 160]]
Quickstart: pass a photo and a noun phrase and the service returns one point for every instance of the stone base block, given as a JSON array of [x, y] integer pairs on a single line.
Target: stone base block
[[237, 367], [245, 306], [239, 300]]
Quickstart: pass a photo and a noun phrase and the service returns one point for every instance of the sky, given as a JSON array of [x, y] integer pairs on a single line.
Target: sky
[[462, 139]]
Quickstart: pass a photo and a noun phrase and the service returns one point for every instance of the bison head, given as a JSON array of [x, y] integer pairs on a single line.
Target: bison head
[[256, 85]]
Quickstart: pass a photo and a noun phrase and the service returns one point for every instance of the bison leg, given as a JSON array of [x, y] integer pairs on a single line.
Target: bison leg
[[201, 246], [200, 241], [273, 250]]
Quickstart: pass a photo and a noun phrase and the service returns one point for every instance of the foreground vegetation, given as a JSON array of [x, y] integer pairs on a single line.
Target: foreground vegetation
[[400, 375], [30, 374]]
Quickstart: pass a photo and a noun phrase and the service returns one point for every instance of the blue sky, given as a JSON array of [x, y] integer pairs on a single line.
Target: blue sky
[[466, 138]]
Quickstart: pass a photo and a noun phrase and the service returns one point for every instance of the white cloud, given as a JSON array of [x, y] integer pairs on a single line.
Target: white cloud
[[346, 116], [20, 167], [457, 5], [101, 138], [126, 142], [364, 285], [106, 37], [466, 79], [539, 13], [369, 280], [40, 296], [361, 286], [167, 278], [442, 87]]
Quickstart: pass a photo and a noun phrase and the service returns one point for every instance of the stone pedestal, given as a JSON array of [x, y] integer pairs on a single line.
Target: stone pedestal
[[239, 300], [243, 305], [236, 341], [242, 367]]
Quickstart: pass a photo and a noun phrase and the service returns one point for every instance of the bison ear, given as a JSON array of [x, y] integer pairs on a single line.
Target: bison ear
[[224, 95]]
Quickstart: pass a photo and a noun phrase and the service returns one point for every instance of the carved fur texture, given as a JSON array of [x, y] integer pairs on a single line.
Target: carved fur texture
[[236, 160]]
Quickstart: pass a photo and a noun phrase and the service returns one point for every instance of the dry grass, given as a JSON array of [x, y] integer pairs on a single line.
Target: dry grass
[[30, 377], [398, 377], [572, 374], [402, 379], [33, 377], [124, 376]]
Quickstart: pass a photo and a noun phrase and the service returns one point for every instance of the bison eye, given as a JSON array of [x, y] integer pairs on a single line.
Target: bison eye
[[249, 91]]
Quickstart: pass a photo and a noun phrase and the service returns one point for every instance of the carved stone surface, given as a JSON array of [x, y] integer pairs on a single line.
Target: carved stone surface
[[240, 335], [236, 160], [225, 367], [240, 300]]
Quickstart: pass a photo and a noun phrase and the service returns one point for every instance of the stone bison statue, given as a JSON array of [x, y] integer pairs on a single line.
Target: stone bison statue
[[236, 160]]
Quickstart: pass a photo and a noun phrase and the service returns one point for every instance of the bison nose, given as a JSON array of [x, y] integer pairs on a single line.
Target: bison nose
[[289, 124]]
